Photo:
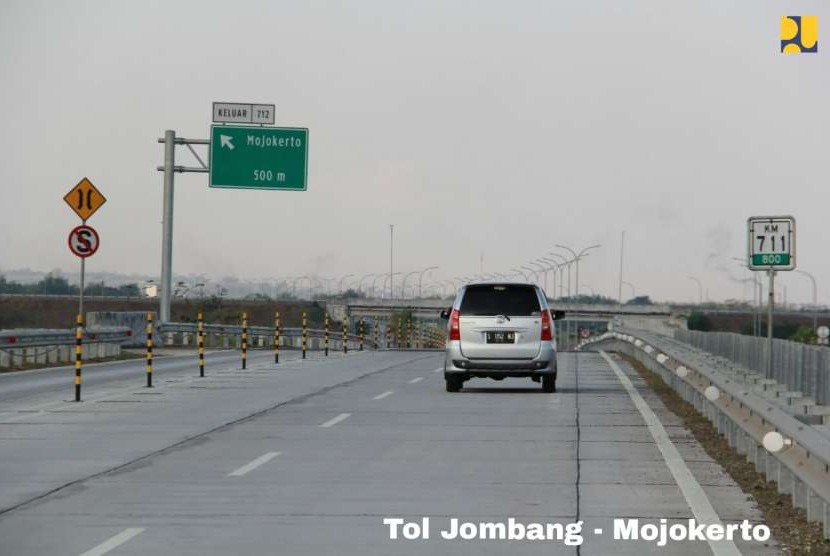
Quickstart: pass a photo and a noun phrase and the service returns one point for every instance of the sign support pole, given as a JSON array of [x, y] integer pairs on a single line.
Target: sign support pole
[[81, 297], [167, 225], [770, 307]]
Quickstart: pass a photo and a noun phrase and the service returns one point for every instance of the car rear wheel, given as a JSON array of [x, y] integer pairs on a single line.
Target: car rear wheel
[[549, 384], [454, 384]]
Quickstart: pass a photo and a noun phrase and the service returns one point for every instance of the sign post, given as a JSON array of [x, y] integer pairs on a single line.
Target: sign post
[[85, 199], [241, 156], [771, 248]]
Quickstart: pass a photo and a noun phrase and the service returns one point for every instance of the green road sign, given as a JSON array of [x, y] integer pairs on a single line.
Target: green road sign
[[771, 243], [259, 157]]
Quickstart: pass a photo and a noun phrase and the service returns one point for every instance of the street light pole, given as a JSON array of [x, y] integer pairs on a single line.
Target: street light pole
[[576, 258], [699, 289], [340, 283], [815, 297], [421, 276]]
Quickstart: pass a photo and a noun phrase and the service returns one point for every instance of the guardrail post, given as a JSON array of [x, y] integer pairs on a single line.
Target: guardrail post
[[375, 332], [360, 326], [345, 330], [149, 368], [201, 333], [305, 334], [277, 337], [244, 341], [326, 334], [79, 334]]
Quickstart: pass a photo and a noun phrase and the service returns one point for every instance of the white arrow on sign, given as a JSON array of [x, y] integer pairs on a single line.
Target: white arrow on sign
[[226, 141]]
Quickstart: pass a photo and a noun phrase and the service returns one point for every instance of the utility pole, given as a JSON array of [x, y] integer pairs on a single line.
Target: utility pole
[[391, 243], [622, 250]]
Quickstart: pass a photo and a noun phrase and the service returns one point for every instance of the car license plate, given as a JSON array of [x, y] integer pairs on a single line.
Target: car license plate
[[501, 337]]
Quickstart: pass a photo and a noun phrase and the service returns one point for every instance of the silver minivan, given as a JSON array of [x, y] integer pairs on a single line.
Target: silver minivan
[[499, 330]]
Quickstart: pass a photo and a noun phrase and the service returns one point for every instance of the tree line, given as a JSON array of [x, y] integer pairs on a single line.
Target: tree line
[[57, 285]]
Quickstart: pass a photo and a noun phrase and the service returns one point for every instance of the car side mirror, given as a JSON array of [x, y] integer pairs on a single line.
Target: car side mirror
[[445, 314], [558, 315]]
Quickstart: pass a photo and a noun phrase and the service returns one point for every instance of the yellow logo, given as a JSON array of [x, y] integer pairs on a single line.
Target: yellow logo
[[799, 33]]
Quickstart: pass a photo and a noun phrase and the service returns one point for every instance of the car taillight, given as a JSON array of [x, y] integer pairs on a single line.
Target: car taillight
[[546, 330], [455, 327]]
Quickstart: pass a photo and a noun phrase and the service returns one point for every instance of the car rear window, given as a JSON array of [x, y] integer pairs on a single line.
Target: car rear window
[[490, 300]]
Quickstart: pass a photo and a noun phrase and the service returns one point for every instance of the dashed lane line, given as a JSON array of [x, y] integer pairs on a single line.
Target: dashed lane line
[[384, 395], [114, 542], [332, 422], [248, 467]]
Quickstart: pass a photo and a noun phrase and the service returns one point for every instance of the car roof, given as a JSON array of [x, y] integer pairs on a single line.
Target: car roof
[[494, 283]]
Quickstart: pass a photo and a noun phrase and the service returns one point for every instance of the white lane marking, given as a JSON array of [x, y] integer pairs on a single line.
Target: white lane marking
[[114, 542], [438, 370], [384, 395], [265, 458], [416, 379], [691, 489], [332, 422]]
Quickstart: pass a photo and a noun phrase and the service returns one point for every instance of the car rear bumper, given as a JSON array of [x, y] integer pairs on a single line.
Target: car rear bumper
[[456, 364]]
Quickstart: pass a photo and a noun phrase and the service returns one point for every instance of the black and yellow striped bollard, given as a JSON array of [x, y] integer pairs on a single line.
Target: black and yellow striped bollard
[[79, 335], [326, 333], [399, 337], [305, 334], [200, 330], [409, 333], [360, 327], [345, 338], [244, 341], [277, 337], [388, 334], [149, 350], [375, 332]]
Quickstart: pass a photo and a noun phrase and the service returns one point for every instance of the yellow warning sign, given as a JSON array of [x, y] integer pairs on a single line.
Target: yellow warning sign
[[85, 199]]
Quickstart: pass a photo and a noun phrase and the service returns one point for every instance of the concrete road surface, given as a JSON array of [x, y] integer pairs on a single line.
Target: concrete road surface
[[309, 457]]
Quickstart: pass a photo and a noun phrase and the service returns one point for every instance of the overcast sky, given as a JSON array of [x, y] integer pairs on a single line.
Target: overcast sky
[[475, 127]]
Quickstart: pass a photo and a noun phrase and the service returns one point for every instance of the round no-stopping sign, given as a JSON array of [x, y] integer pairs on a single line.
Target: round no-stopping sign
[[83, 241]]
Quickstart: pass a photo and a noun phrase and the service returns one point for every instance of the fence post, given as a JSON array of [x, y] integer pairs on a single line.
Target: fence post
[[79, 334], [201, 332], [244, 341], [277, 337], [326, 334], [149, 350], [305, 334]]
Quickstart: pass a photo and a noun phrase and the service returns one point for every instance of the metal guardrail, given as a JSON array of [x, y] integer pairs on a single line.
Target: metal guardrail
[[801, 367], [12, 339], [235, 329], [801, 468]]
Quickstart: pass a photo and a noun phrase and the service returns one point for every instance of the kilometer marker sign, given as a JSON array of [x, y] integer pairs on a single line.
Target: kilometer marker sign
[[771, 243], [245, 157]]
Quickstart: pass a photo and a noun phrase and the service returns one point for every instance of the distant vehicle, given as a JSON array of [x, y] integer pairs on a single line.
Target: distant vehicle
[[499, 330]]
